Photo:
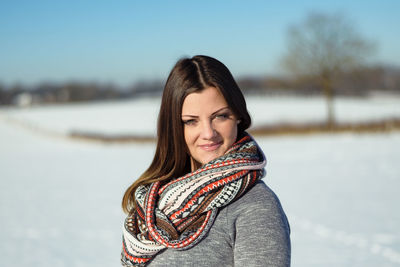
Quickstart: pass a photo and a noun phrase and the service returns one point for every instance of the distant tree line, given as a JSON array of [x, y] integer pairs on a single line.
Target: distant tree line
[[73, 92], [356, 82], [359, 82]]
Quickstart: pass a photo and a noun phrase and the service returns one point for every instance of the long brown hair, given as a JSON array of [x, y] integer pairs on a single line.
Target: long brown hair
[[189, 75]]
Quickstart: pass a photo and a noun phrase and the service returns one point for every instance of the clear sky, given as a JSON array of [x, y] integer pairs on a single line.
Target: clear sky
[[125, 41]]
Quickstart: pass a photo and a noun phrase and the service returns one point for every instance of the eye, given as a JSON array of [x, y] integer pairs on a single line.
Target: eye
[[223, 116], [189, 122]]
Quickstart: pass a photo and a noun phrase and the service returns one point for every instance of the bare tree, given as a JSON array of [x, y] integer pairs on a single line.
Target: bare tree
[[321, 46]]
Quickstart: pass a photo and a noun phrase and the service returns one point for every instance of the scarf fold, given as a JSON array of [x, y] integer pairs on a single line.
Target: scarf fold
[[179, 214]]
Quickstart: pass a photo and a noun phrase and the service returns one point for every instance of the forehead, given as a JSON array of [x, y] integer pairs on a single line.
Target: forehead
[[206, 101]]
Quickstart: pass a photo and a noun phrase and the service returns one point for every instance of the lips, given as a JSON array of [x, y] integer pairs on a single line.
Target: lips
[[211, 146]]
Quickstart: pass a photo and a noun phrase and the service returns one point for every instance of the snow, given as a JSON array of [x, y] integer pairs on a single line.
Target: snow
[[340, 194], [140, 115], [60, 198]]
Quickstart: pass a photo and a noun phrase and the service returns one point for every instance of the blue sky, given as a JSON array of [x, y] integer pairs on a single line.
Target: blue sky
[[126, 41]]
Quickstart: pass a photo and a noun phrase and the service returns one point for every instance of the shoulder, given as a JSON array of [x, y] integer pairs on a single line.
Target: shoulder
[[258, 206], [258, 218], [260, 196]]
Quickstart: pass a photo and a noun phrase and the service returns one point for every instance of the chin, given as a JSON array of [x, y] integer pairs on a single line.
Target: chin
[[210, 158]]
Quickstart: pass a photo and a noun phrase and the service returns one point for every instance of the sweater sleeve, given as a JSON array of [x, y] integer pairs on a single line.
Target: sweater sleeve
[[260, 229]]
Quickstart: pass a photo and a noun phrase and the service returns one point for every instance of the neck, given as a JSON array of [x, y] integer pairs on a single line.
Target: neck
[[194, 164]]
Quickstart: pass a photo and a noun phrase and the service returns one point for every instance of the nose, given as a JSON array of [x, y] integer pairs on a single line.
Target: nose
[[207, 130]]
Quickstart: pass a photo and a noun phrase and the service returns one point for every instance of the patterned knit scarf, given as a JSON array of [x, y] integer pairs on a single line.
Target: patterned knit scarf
[[178, 214]]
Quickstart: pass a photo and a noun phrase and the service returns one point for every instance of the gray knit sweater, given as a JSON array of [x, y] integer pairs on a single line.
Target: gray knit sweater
[[252, 231]]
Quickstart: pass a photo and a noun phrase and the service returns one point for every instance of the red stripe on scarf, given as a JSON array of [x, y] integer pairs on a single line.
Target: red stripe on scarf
[[212, 186]]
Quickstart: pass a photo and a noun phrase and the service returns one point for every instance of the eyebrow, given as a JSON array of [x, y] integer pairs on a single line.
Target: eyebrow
[[215, 112]]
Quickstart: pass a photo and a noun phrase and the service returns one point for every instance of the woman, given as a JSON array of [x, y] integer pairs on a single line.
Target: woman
[[202, 202]]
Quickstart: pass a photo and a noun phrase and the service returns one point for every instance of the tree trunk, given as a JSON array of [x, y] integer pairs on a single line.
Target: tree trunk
[[328, 92]]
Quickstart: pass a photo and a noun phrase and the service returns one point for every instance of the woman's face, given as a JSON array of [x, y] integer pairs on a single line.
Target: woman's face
[[210, 127]]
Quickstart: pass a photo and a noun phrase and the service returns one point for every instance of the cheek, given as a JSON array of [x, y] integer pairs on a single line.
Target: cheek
[[189, 136], [234, 133], [230, 132]]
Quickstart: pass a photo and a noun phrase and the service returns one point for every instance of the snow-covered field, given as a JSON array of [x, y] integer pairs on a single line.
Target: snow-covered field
[[60, 198], [139, 116]]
